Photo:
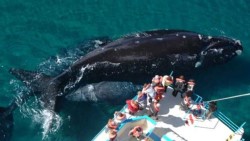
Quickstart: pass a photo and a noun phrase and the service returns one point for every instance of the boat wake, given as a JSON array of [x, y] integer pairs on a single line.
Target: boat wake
[[50, 121]]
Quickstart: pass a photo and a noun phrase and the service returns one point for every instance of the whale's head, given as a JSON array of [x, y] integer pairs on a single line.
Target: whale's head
[[219, 50]]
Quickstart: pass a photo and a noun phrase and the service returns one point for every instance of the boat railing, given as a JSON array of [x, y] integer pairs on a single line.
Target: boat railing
[[223, 118], [230, 124], [198, 100]]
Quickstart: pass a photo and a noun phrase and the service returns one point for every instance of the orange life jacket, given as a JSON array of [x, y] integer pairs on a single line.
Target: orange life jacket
[[133, 108]]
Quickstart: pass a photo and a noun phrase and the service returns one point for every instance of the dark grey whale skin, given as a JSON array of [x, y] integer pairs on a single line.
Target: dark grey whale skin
[[132, 58], [135, 57]]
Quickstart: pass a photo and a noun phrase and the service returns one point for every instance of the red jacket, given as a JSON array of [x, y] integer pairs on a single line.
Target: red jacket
[[132, 108]]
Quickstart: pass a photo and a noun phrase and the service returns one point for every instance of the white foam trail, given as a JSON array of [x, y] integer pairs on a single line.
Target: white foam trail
[[58, 60], [97, 43], [51, 122]]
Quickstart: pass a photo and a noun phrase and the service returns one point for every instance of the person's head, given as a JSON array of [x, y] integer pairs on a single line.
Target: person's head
[[111, 122], [134, 103], [167, 80], [212, 103], [139, 93], [138, 128], [120, 114], [181, 77], [189, 93], [191, 80], [191, 85], [156, 79]]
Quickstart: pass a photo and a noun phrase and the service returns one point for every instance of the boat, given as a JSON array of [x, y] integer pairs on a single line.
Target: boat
[[177, 124]]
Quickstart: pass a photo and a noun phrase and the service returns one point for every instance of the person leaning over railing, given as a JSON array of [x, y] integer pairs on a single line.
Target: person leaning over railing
[[211, 109], [187, 101]]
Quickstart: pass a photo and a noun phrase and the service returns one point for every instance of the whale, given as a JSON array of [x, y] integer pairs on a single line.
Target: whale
[[132, 58]]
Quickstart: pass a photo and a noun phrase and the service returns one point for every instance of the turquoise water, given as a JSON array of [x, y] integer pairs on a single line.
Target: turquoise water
[[33, 31]]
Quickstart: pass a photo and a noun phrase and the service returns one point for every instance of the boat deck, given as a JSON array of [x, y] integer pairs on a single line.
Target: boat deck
[[171, 124]]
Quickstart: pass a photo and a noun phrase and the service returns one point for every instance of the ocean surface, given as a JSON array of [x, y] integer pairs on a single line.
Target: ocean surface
[[46, 36]]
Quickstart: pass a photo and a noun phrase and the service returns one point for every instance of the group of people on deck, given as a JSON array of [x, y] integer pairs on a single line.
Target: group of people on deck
[[152, 93], [149, 98]]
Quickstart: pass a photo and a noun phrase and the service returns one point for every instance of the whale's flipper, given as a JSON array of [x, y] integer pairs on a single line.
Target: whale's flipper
[[6, 123]]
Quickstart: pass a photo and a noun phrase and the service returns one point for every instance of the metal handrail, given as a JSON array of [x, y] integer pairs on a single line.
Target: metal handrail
[[223, 118], [197, 100], [229, 123], [226, 121]]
